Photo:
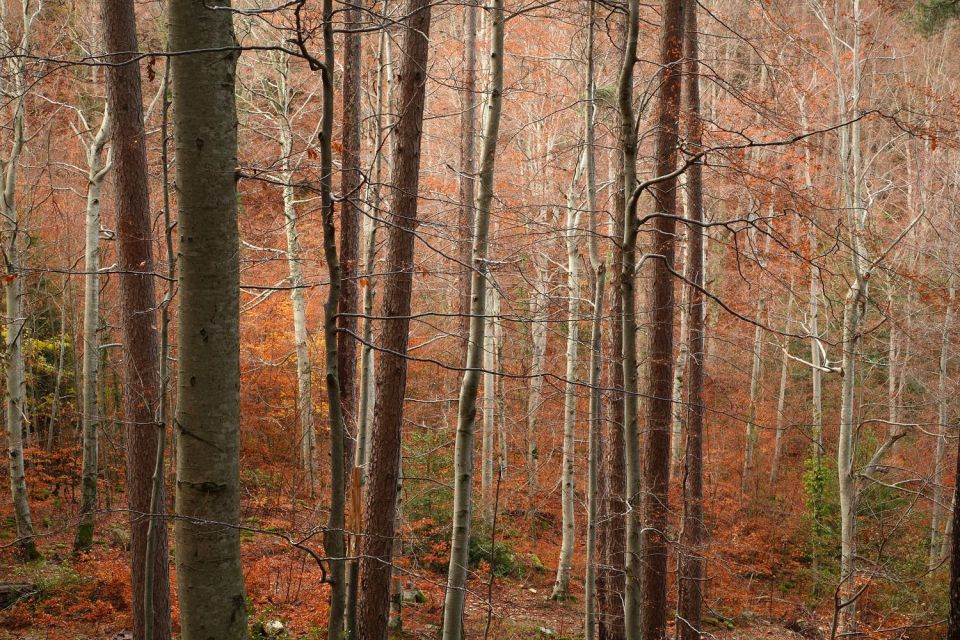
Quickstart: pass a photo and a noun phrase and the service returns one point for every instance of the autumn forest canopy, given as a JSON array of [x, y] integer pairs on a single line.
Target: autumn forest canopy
[[594, 319]]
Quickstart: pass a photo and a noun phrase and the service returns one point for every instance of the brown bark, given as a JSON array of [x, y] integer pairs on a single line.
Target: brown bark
[[692, 565], [351, 182], [611, 592], [141, 375], [953, 627], [467, 171], [656, 458], [391, 377]]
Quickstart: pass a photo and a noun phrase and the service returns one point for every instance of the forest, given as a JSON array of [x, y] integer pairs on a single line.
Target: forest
[[472, 319]]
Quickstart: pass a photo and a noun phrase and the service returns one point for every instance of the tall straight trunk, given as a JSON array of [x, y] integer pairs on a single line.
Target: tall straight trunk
[[750, 443], [781, 405], [351, 183], [301, 338], [656, 458], [561, 585], [467, 405], [141, 375], [942, 413], [854, 309], [97, 170], [627, 276], [16, 93], [385, 442], [468, 164], [611, 618], [503, 447], [539, 300], [489, 404], [953, 625], [333, 537], [366, 400], [676, 430], [599, 269], [209, 574], [691, 561]]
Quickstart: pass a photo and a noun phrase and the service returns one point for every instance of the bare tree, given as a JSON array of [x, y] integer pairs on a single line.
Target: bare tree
[[209, 574], [382, 476]]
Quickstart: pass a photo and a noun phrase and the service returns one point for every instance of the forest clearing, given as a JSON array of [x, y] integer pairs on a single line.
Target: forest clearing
[[462, 319]]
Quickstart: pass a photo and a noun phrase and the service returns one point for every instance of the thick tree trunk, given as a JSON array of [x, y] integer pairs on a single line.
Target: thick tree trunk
[[96, 172], [656, 458], [385, 442], [691, 560], [628, 333], [367, 390], [141, 375], [467, 406], [333, 537], [567, 498], [16, 93], [209, 575], [351, 182]]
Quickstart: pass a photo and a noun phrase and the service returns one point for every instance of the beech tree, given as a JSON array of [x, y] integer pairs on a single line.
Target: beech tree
[[209, 575]]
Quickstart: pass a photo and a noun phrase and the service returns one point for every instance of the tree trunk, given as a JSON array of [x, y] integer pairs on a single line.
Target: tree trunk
[[953, 626], [351, 182], [539, 300], [656, 458], [468, 136], [691, 561], [942, 410], [141, 375], [750, 442], [627, 276], [333, 536], [301, 337], [96, 172], [209, 574], [13, 287], [489, 404], [676, 431], [366, 383], [385, 442], [467, 406], [781, 405]]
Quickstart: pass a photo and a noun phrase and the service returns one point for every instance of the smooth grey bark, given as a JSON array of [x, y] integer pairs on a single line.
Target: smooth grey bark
[[561, 585], [781, 404], [467, 406], [468, 165], [943, 403], [209, 574], [14, 89], [97, 169], [539, 300]]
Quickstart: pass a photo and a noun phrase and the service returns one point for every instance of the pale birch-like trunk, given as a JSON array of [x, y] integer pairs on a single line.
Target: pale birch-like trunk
[[15, 90], [676, 430], [301, 337], [97, 169], [781, 405], [755, 373], [561, 586], [539, 299], [467, 409], [942, 415]]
